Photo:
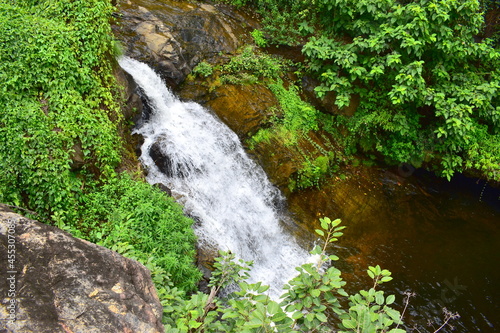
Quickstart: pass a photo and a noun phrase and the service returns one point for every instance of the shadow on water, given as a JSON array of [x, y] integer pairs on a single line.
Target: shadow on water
[[440, 240]]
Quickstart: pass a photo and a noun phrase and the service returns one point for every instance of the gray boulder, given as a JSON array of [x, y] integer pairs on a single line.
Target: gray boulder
[[53, 282], [174, 36]]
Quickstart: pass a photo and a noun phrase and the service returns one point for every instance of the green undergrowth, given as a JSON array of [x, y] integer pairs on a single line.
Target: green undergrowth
[[315, 300], [141, 222], [290, 121], [60, 148], [252, 65], [424, 73]]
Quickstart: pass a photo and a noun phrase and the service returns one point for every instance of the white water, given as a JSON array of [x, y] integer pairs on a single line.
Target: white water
[[220, 185]]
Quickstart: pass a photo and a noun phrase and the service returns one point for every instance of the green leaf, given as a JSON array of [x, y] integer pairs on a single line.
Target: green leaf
[[273, 308], [325, 222], [333, 257], [379, 298], [336, 222], [254, 323], [394, 314], [279, 317], [390, 299], [321, 317], [320, 232], [349, 323], [386, 279]]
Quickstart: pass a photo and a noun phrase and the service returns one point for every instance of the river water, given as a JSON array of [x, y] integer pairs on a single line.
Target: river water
[[443, 243], [441, 240]]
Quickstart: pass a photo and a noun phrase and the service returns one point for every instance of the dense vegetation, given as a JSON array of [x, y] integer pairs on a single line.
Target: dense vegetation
[[426, 79], [290, 121], [60, 146], [59, 124]]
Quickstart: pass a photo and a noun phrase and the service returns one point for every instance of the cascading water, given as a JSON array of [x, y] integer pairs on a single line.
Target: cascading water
[[208, 171]]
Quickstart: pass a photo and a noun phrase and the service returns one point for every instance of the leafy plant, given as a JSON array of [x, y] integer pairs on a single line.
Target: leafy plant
[[426, 74], [151, 225], [427, 86], [258, 37], [311, 302], [59, 128], [203, 69], [259, 64]]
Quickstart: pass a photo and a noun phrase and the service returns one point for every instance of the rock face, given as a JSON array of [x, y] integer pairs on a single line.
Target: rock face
[[241, 107], [174, 36], [53, 282]]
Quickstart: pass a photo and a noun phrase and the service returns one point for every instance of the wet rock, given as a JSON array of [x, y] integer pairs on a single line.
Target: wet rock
[[241, 107], [59, 283], [174, 36], [133, 108], [77, 156], [164, 188], [166, 165]]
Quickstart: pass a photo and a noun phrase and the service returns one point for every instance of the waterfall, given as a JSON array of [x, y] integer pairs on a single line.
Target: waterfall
[[208, 171]]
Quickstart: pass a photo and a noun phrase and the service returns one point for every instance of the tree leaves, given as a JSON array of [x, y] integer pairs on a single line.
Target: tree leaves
[[430, 49]]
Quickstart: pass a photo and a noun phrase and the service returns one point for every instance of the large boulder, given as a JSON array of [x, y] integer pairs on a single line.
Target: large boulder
[[53, 282], [174, 36]]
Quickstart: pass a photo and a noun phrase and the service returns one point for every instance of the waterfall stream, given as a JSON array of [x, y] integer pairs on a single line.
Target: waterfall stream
[[208, 171]]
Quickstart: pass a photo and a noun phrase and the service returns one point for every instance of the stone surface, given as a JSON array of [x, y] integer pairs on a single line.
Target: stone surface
[[65, 284], [241, 107], [174, 36]]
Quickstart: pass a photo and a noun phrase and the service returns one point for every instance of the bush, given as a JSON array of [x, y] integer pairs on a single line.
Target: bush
[[258, 37], [203, 69], [59, 96], [259, 64], [141, 222]]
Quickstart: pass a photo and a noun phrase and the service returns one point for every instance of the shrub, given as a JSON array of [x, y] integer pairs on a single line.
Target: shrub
[[203, 69], [141, 222]]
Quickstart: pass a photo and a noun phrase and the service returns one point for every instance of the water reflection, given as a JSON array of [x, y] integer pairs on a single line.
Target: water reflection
[[441, 240]]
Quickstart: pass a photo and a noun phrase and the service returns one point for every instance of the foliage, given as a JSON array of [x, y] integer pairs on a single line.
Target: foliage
[[255, 63], [60, 146], [427, 78], [285, 22], [298, 115], [258, 37], [290, 120], [142, 223], [312, 172], [203, 69], [53, 102], [227, 271], [313, 300], [428, 89]]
